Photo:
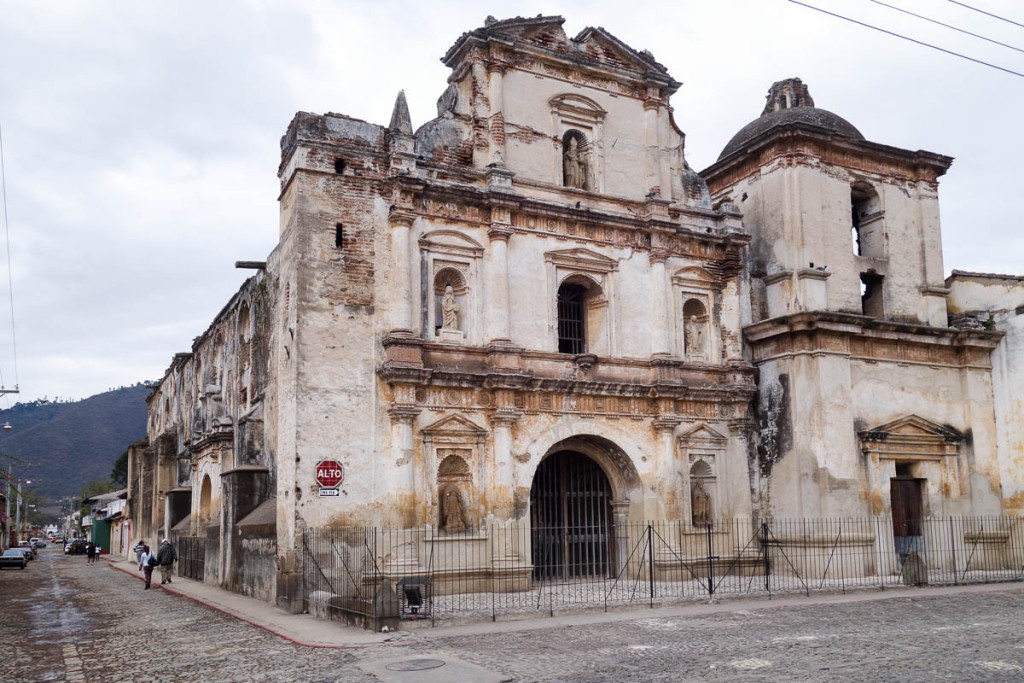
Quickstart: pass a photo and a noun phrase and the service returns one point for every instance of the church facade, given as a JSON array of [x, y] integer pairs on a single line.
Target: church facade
[[533, 300]]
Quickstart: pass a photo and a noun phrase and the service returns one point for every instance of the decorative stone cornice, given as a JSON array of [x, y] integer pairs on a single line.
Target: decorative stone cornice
[[403, 413], [401, 218], [499, 232], [869, 339]]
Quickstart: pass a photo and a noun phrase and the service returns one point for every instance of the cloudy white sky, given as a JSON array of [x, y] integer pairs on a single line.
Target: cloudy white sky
[[141, 138]]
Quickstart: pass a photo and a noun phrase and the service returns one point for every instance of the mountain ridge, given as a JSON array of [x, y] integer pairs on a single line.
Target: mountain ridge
[[68, 444]]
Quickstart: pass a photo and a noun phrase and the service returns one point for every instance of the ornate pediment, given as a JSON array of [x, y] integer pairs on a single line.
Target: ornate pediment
[[451, 242], [581, 260], [601, 46], [702, 434], [454, 425], [693, 276], [910, 438]]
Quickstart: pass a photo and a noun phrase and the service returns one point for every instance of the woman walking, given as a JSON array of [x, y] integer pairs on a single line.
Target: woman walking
[[147, 560]]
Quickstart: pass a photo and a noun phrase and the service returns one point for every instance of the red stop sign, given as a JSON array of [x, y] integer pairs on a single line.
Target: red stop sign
[[329, 473]]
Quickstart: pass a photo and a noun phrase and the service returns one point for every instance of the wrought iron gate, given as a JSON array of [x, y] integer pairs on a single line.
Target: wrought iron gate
[[570, 515]]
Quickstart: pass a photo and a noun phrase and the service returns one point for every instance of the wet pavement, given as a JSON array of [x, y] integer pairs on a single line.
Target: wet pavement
[[63, 620]]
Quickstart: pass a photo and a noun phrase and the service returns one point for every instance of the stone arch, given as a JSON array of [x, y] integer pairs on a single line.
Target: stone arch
[[579, 497], [867, 220], [205, 501], [616, 464]]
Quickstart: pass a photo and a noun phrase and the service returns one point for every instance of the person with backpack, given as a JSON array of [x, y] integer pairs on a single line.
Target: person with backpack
[[147, 561], [139, 547], [165, 558]]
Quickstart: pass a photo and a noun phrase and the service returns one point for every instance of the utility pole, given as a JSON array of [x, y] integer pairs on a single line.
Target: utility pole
[[10, 479], [17, 516]]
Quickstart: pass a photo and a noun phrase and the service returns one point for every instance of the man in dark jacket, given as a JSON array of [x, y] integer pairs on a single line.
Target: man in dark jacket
[[165, 557]]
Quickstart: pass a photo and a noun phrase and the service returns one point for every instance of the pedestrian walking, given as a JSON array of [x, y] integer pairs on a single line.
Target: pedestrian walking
[[139, 548], [90, 552], [165, 557], [147, 561]]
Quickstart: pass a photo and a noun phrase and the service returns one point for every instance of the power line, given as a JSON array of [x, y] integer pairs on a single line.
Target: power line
[[988, 14], [913, 40], [934, 21], [10, 279]]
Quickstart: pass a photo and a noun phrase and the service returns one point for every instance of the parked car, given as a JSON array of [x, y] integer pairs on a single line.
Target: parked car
[[25, 552], [27, 545], [38, 543], [14, 557], [76, 547]]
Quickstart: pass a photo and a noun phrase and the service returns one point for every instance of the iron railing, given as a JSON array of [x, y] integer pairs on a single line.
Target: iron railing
[[507, 570]]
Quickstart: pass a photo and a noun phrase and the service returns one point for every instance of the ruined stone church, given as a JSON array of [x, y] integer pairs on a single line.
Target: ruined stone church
[[532, 310]]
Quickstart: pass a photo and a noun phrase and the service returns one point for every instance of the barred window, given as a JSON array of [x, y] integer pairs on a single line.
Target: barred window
[[571, 328]]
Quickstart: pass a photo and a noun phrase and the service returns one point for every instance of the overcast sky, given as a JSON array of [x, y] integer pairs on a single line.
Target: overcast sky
[[141, 139]]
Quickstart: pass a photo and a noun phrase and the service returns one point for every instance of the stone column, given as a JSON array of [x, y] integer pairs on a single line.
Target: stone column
[[401, 473], [651, 166], [620, 518], [665, 425], [664, 168], [660, 336], [496, 96], [504, 468], [499, 314], [401, 273], [502, 483]]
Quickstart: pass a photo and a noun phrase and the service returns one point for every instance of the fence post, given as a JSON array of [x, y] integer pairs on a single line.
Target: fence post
[[650, 562], [711, 564], [952, 548], [767, 561]]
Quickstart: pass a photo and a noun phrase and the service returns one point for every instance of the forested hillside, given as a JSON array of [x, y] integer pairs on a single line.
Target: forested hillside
[[66, 445]]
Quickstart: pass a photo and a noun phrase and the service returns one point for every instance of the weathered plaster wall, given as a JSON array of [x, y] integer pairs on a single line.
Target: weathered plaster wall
[[997, 302]]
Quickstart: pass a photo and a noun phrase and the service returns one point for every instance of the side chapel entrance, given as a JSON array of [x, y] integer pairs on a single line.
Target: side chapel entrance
[[907, 512], [570, 517]]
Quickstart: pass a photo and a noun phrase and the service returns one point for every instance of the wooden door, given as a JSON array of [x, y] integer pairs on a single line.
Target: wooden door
[[907, 506]]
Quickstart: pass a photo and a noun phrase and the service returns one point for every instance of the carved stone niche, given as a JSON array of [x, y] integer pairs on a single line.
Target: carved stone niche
[[450, 267], [454, 447], [578, 119], [454, 492], [696, 338], [701, 451]]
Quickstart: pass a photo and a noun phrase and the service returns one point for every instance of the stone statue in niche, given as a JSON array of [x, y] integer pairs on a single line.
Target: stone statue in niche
[[694, 334], [449, 310], [451, 509], [574, 165], [700, 504]]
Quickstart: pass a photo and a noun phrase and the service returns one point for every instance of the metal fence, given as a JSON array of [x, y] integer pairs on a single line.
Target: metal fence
[[508, 570], [192, 557]]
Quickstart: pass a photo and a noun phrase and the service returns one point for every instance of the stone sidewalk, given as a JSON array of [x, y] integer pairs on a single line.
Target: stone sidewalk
[[307, 630]]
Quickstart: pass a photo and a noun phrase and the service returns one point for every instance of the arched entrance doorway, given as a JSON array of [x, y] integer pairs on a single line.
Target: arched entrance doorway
[[205, 495], [570, 517]]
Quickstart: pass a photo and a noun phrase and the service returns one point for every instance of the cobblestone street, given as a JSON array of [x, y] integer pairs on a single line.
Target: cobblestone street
[[65, 620]]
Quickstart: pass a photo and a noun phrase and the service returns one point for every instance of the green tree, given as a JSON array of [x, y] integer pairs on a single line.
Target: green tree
[[119, 473]]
